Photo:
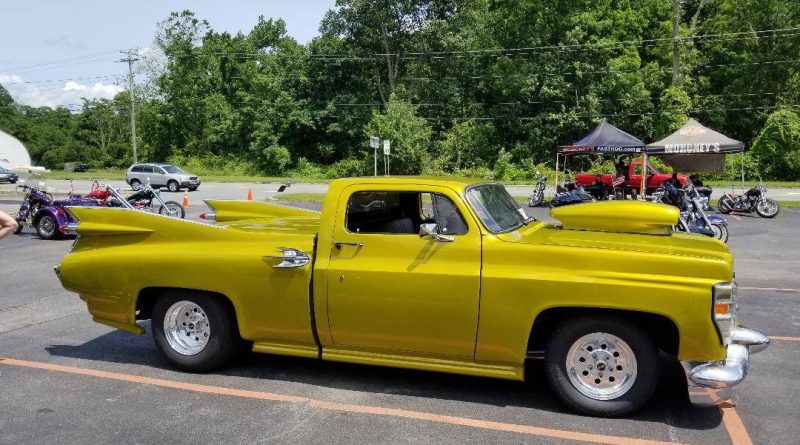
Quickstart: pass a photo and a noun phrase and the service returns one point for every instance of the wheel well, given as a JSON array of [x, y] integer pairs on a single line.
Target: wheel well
[[662, 329], [149, 295]]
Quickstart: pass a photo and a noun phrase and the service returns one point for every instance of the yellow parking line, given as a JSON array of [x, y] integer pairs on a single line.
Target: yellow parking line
[[733, 423], [770, 289], [772, 337], [342, 407]]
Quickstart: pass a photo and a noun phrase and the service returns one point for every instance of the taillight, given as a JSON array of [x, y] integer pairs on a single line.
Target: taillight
[[724, 295], [208, 216]]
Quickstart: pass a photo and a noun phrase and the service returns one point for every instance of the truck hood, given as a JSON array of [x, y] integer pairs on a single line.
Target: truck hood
[[622, 226]]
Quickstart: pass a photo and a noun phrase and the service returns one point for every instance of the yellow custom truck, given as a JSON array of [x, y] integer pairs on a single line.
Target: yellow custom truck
[[436, 274]]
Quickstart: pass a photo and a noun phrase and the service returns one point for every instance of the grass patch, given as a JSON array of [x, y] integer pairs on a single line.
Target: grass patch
[[790, 204], [119, 175], [751, 184], [113, 175]]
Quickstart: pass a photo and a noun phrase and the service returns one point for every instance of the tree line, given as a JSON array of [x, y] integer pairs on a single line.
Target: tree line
[[467, 87]]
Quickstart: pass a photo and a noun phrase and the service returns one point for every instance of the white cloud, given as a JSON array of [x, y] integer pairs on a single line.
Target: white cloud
[[68, 93]]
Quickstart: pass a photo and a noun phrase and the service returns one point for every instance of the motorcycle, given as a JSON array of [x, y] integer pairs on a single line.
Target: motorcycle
[[537, 197], [754, 200], [693, 219], [49, 217], [142, 199], [703, 193], [570, 194]]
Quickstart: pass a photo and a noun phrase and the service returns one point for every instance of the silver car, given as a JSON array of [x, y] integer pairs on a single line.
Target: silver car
[[161, 175]]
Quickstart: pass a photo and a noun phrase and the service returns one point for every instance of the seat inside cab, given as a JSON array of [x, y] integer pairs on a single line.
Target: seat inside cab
[[402, 213]]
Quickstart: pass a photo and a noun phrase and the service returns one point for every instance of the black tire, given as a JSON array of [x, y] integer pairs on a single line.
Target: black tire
[[720, 232], [174, 205], [765, 214], [173, 186], [135, 184], [722, 206], [636, 339], [18, 229], [47, 228], [191, 189], [223, 342]]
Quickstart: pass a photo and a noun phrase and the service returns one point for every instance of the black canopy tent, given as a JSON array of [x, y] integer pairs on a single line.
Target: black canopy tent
[[605, 139], [694, 147]]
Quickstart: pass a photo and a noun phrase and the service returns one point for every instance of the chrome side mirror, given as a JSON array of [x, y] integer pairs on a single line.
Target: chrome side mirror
[[431, 230]]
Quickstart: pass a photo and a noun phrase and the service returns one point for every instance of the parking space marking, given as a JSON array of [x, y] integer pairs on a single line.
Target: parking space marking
[[770, 289], [733, 423], [344, 407], [772, 337]]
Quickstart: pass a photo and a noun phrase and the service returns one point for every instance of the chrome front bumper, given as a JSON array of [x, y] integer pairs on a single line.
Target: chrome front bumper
[[717, 378]]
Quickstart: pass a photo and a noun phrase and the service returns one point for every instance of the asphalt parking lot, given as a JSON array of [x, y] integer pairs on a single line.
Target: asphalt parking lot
[[66, 379]]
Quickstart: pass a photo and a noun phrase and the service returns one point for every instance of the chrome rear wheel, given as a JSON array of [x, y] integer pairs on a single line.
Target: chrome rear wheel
[[187, 328]]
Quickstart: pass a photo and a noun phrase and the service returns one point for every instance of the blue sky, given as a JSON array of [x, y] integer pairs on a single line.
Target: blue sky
[[53, 52]]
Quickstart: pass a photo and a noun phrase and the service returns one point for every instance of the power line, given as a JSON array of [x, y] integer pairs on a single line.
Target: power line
[[106, 76], [60, 61]]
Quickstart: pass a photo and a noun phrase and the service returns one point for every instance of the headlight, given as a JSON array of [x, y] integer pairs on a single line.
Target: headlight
[[724, 295]]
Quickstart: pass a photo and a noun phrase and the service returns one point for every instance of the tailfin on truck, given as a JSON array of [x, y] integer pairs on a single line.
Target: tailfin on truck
[[230, 211]]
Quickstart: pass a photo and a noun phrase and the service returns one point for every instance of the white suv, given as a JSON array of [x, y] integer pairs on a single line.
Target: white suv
[[161, 175]]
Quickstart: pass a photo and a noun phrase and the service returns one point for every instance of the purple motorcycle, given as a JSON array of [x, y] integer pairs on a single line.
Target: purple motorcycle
[[48, 216]]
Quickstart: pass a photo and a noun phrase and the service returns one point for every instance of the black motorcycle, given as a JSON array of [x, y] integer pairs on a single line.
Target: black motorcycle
[[143, 198], [537, 197], [754, 200]]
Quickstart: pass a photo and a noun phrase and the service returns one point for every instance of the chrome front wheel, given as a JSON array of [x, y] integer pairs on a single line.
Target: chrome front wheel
[[187, 328], [767, 208], [601, 366]]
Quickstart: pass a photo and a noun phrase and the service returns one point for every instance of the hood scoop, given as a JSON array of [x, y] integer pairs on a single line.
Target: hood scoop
[[618, 216]]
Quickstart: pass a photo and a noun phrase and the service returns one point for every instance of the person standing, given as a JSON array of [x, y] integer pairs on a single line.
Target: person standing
[[7, 224]]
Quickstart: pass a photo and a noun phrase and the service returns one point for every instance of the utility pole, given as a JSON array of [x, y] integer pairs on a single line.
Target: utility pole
[[676, 27], [130, 59]]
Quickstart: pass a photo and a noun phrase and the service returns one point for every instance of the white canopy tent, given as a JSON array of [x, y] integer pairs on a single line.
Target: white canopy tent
[[13, 153]]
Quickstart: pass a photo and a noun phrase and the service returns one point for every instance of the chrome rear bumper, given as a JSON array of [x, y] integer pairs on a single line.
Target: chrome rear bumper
[[717, 378]]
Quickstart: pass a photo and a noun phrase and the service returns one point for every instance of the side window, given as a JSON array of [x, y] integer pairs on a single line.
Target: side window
[[159, 171], [137, 169], [447, 216], [147, 169], [401, 213]]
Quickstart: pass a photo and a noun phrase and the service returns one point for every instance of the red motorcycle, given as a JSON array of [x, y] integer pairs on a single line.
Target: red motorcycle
[[142, 199]]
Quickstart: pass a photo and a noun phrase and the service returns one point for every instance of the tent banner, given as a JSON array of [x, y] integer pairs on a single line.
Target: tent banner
[[694, 139], [574, 149]]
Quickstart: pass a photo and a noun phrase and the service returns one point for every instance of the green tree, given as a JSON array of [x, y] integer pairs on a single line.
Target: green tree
[[409, 134], [777, 147]]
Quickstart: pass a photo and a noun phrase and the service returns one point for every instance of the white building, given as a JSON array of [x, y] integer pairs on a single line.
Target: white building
[[12, 153]]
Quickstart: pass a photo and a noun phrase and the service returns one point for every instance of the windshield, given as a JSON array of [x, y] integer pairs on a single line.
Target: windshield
[[498, 211], [171, 169]]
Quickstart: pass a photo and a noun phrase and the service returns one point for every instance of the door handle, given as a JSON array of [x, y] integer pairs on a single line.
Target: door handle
[[339, 245], [290, 258]]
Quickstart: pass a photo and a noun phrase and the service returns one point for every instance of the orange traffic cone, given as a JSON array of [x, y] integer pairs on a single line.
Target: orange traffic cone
[[249, 194], [185, 199]]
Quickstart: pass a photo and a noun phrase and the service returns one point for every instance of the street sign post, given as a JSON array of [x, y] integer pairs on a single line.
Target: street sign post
[[386, 151], [373, 144]]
